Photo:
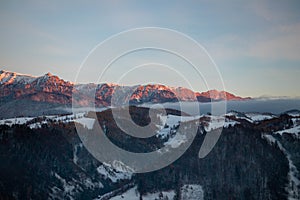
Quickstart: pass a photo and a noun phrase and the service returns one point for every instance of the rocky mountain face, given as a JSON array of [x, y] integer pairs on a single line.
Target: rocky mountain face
[[21, 89], [220, 95], [256, 157], [47, 88]]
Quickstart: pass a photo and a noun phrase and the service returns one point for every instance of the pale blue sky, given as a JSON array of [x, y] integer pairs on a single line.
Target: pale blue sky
[[256, 44]]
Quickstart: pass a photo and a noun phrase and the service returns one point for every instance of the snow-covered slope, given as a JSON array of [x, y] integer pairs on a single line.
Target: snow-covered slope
[[293, 175], [187, 192], [294, 130], [112, 174], [192, 192], [251, 117], [133, 194], [216, 122], [39, 121]]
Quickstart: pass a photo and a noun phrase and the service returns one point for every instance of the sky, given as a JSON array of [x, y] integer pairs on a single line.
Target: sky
[[254, 45]]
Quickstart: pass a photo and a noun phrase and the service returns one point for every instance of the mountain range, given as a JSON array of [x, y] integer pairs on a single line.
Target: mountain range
[[49, 91]]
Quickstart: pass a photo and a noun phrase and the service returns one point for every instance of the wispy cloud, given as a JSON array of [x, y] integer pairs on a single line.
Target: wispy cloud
[[276, 43], [283, 43]]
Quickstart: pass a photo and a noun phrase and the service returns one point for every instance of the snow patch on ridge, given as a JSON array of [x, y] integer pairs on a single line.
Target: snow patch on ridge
[[251, 117], [13, 121], [215, 122], [257, 117]]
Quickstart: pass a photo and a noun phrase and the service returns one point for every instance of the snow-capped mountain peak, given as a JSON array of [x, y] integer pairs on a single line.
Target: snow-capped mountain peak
[[7, 78]]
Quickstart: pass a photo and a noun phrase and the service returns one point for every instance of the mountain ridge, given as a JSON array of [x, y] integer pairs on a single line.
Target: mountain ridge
[[20, 90], [8, 77]]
